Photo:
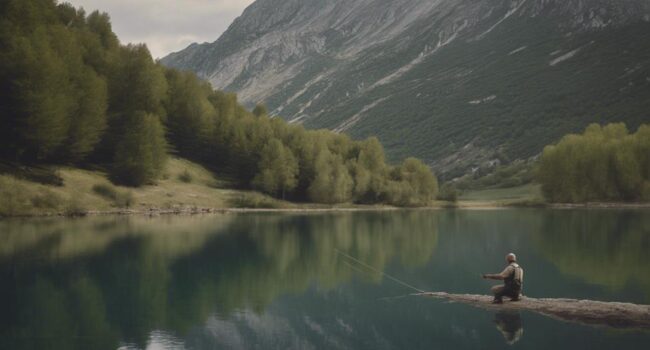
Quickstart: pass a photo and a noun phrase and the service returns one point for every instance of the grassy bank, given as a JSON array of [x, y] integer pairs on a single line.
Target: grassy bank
[[529, 191], [529, 195], [187, 187], [184, 185]]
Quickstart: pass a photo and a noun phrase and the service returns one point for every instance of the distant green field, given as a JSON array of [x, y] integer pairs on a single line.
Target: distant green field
[[530, 191]]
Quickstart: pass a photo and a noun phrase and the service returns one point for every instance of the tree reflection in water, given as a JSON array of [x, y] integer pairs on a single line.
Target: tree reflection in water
[[603, 247], [102, 282]]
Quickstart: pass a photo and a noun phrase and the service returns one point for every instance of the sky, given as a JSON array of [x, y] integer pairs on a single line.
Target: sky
[[167, 26]]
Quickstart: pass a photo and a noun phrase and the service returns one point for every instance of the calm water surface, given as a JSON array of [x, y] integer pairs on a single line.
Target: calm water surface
[[277, 281]]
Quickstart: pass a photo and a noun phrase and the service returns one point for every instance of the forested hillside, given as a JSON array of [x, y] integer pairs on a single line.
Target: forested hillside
[[72, 94]]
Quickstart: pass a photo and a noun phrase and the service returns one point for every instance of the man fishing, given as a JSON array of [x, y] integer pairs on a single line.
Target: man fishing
[[513, 278]]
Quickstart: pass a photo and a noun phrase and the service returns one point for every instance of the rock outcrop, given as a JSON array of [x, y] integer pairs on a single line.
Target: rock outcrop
[[589, 312]]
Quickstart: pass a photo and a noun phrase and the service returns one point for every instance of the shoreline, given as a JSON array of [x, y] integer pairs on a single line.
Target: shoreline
[[461, 205], [194, 211], [599, 205]]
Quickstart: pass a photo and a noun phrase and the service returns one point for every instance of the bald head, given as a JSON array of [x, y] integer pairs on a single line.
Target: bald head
[[511, 257]]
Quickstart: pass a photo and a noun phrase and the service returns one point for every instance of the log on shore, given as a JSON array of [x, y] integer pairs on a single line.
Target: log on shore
[[588, 312]]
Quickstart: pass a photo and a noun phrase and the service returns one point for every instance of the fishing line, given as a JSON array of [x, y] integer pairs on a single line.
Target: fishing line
[[398, 297], [354, 267], [381, 272]]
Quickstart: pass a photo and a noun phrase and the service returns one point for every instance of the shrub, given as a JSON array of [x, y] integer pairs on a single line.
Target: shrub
[[186, 177], [74, 208], [124, 199], [121, 199], [46, 200], [253, 200], [106, 190]]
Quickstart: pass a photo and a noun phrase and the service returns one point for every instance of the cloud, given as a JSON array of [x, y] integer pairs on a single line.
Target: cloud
[[167, 25]]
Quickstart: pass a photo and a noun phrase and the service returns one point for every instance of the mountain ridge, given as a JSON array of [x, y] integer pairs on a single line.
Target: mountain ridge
[[415, 73]]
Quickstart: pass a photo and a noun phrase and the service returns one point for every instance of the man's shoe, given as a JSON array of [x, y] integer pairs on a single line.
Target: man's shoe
[[497, 301]]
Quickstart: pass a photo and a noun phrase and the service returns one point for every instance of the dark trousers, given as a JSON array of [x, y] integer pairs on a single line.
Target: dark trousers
[[503, 291]]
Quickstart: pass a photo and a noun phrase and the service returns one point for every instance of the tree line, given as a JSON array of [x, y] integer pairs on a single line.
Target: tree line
[[72, 94], [602, 164]]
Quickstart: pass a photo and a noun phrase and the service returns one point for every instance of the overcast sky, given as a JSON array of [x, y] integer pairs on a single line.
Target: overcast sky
[[167, 25]]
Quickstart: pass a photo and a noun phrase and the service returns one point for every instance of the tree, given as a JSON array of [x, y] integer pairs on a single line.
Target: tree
[[369, 171], [88, 120], [362, 178], [371, 155], [260, 110], [141, 151], [333, 183], [604, 163], [72, 93], [190, 115], [420, 178], [627, 170], [137, 87], [100, 24], [137, 83], [278, 170], [37, 95]]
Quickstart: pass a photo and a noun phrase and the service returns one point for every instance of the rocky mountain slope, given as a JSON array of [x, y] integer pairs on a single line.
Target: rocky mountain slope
[[459, 83]]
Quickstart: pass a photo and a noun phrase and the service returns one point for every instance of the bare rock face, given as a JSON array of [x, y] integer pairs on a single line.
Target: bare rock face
[[430, 77]]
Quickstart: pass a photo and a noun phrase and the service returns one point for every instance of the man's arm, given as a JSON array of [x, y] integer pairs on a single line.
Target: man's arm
[[493, 276], [499, 276]]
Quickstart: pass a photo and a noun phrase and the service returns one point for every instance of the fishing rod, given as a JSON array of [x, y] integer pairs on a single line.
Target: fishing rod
[[378, 271]]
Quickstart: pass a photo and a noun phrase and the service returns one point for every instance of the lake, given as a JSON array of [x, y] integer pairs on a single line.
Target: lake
[[291, 281]]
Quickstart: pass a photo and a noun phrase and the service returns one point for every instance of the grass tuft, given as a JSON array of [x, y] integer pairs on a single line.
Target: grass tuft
[[121, 199], [185, 177]]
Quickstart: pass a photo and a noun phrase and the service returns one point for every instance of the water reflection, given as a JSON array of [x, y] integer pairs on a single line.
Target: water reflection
[[603, 247], [60, 239], [510, 326], [276, 280], [113, 281]]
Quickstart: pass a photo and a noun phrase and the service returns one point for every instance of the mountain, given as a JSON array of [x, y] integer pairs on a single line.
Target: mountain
[[458, 83]]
